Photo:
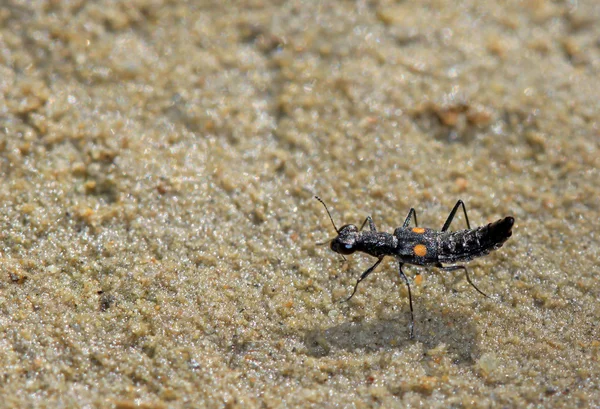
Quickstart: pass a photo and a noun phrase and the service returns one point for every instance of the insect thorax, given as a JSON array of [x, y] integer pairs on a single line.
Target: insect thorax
[[377, 243]]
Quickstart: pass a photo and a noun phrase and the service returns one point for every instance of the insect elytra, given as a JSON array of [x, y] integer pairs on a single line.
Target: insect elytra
[[421, 246]]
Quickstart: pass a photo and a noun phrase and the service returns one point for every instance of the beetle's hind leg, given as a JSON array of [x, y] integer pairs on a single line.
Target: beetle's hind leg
[[451, 217], [454, 268]]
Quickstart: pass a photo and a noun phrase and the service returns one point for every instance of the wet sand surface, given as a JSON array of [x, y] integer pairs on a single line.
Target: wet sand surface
[[158, 231]]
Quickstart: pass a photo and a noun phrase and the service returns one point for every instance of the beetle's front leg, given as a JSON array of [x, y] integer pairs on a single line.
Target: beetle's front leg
[[371, 224]]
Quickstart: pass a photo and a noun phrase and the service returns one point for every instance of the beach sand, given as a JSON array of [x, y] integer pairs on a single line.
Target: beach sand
[[159, 234]]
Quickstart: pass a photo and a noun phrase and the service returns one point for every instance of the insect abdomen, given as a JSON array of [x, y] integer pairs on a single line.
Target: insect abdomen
[[467, 244]]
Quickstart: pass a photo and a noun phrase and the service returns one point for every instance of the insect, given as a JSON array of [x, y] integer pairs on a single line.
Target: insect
[[420, 246]]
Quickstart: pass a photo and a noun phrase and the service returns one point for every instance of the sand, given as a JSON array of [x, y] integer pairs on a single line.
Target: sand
[[158, 231]]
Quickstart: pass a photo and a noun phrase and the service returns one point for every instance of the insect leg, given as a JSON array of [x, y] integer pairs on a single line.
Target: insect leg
[[371, 224], [413, 213], [454, 268], [453, 212], [363, 276], [412, 317]]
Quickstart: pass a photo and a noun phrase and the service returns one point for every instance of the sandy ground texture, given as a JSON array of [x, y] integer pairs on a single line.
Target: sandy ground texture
[[158, 231]]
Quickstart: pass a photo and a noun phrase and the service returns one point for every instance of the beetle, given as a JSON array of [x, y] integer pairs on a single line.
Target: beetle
[[421, 246]]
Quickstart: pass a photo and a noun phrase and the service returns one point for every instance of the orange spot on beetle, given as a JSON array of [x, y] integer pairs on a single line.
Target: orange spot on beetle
[[418, 230], [420, 250]]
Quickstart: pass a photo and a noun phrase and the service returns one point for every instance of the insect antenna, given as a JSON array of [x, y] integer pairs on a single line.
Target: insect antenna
[[327, 210], [332, 222]]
